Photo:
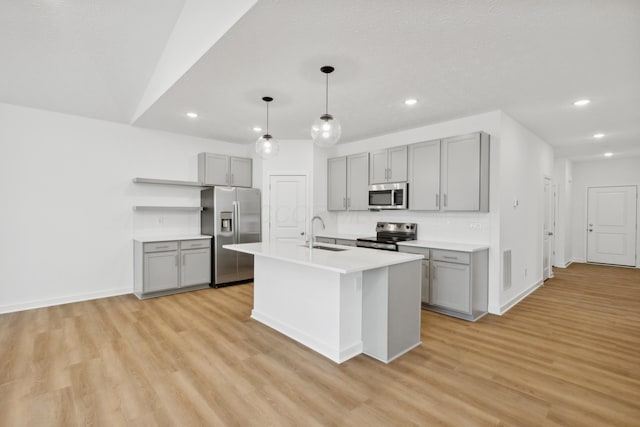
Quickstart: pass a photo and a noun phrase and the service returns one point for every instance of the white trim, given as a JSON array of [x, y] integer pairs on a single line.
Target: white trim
[[311, 342], [64, 300], [522, 295], [565, 265]]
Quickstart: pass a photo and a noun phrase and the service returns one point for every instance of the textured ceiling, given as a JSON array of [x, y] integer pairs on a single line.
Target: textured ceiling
[[531, 59], [89, 58]]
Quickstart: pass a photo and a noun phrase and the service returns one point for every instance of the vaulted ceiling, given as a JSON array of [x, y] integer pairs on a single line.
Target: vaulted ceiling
[[148, 63]]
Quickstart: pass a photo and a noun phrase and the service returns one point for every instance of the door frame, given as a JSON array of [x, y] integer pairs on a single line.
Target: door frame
[[266, 201], [586, 224], [551, 216]]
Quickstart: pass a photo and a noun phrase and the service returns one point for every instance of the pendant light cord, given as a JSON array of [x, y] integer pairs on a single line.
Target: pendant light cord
[[327, 95], [267, 118]]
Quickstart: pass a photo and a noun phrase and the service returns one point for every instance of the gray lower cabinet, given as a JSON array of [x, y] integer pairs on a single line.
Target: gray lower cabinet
[[425, 278], [160, 271], [451, 287], [454, 282], [162, 268]]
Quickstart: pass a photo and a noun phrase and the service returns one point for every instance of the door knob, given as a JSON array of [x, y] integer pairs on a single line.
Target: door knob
[[590, 230], [302, 233]]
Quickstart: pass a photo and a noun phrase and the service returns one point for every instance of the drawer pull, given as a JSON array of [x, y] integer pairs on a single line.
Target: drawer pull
[[162, 247], [449, 257]]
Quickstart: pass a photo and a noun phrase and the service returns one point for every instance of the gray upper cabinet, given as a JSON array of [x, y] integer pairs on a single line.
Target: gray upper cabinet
[[357, 182], [337, 184], [240, 170], [450, 175], [424, 176], [388, 165], [347, 183], [218, 169], [465, 173]]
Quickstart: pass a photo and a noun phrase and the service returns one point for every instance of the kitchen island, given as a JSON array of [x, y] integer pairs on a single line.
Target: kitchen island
[[340, 303]]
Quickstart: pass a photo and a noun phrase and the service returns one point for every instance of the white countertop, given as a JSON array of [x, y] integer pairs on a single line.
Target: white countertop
[[344, 236], [448, 246], [147, 239], [350, 260]]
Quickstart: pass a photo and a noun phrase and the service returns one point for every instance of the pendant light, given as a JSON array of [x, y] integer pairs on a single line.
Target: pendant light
[[326, 130], [267, 146]]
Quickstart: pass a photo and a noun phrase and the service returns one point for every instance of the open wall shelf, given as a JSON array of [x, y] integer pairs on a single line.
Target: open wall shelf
[[168, 182], [168, 208]]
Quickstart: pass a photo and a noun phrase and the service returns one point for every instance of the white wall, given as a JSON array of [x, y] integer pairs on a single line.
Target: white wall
[[605, 172], [525, 160], [563, 177], [66, 219], [294, 158]]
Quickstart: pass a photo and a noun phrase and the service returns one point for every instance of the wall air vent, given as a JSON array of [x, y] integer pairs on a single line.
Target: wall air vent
[[506, 269]]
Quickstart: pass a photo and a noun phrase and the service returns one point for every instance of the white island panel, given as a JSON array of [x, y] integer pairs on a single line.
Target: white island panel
[[319, 308], [339, 304]]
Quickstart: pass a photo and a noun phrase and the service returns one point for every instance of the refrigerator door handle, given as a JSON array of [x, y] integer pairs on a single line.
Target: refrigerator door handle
[[236, 221]]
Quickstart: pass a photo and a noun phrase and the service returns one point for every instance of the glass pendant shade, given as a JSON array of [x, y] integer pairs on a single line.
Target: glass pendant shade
[[267, 147], [325, 131]]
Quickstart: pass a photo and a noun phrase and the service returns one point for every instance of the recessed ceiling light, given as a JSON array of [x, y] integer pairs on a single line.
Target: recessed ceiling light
[[608, 154], [192, 115], [581, 102], [410, 101], [257, 129], [598, 135]]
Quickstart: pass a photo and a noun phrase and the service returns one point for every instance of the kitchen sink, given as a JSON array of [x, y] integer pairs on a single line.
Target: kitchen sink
[[326, 248]]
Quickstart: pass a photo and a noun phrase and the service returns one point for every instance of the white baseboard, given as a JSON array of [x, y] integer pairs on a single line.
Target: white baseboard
[[565, 265], [522, 295], [64, 300], [579, 260], [337, 355]]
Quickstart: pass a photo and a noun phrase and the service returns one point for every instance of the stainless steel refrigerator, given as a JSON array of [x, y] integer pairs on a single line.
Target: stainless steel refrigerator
[[230, 215]]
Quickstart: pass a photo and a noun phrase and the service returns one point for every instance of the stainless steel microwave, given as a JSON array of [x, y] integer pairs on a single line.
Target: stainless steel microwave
[[388, 196]]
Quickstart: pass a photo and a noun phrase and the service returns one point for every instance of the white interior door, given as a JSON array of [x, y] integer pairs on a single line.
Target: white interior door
[[611, 225], [287, 207], [548, 230]]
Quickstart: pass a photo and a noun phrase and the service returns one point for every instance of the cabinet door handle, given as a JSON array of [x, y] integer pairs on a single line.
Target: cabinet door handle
[[445, 200], [226, 178], [232, 178], [176, 257], [344, 202], [437, 200], [184, 259], [348, 202]]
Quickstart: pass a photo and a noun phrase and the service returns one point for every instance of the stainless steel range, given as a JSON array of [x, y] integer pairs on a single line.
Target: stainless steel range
[[388, 233]]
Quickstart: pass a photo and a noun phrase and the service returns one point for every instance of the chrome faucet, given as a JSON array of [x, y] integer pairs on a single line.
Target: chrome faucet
[[311, 234]]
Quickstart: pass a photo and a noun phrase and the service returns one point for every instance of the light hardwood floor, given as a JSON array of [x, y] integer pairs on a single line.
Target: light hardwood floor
[[569, 354]]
